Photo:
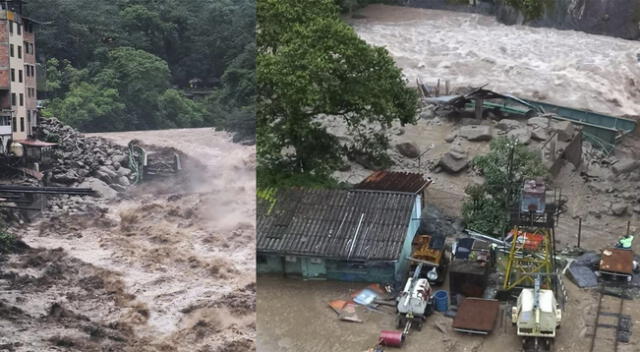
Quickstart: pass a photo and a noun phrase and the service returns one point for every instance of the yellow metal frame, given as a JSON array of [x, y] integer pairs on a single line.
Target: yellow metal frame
[[523, 264]]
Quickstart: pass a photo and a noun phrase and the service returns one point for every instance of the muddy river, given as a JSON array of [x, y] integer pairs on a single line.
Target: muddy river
[[169, 266]]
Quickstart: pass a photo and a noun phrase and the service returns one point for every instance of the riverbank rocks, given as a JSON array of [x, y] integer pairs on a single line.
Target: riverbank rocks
[[539, 134], [455, 160], [522, 135], [625, 166], [508, 125], [619, 209], [539, 122], [77, 157], [101, 188], [475, 133], [408, 149]]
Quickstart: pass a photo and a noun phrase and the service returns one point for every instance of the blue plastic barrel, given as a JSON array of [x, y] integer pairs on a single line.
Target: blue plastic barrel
[[441, 300]]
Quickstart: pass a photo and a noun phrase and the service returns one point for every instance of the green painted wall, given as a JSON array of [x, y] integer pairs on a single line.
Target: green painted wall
[[314, 268], [270, 264], [318, 268]]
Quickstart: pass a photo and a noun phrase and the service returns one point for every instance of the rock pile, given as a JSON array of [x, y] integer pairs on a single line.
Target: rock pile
[[84, 161]]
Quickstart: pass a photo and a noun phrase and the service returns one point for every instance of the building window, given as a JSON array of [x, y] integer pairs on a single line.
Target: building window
[[19, 52], [22, 124], [21, 99], [15, 126], [19, 75], [33, 71], [13, 99], [19, 27], [11, 50], [13, 75], [10, 27]]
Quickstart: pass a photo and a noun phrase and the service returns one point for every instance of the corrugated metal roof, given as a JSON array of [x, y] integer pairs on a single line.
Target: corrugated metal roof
[[394, 181], [344, 224]]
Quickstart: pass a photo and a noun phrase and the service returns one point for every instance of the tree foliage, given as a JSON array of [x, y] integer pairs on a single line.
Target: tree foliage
[[311, 64], [530, 9], [147, 57], [504, 168]]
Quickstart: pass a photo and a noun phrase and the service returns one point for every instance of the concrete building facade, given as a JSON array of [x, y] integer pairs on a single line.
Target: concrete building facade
[[18, 100]]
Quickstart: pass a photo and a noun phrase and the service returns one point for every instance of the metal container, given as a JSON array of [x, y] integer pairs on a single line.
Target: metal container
[[441, 299], [391, 338], [533, 199]]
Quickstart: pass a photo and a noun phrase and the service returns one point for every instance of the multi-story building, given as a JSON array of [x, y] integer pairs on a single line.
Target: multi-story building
[[18, 111]]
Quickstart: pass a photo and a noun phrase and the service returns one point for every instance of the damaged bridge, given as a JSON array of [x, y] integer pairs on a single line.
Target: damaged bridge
[[603, 131]]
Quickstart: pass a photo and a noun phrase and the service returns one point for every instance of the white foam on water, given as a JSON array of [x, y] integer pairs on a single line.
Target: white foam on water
[[569, 68]]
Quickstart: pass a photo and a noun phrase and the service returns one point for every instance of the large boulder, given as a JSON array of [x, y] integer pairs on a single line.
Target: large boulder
[[522, 135], [68, 177], [566, 130], [408, 149], [455, 160], [539, 134], [625, 165], [619, 209], [539, 122], [101, 188], [475, 133], [508, 125], [123, 171]]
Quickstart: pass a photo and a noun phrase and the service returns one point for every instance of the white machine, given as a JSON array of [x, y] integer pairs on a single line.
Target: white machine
[[414, 302], [537, 315]]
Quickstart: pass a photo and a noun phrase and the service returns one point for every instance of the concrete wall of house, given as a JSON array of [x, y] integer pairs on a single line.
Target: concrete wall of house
[[371, 271], [360, 271], [16, 63], [270, 264], [402, 265], [30, 94]]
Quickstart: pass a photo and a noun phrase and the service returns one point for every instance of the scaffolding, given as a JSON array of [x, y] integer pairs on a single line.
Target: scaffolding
[[532, 250], [530, 256]]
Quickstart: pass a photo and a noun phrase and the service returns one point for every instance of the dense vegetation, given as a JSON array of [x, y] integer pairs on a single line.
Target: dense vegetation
[[137, 64], [504, 168], [312, 64]]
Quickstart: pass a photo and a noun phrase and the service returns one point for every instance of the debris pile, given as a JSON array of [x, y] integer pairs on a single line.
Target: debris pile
[[91, 161]]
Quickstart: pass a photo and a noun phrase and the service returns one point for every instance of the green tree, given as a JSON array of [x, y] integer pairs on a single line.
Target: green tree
[[141, 78], [90, 107], [140, 48], [531, 9], [504, 168], [310, 63]]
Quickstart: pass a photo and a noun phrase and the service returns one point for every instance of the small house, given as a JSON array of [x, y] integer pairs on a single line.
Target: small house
[[339, 234]]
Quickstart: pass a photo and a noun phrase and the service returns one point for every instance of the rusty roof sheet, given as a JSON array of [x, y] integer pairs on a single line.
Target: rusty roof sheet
[[394, 181], [477, 314], [341, 224], [617, 261]]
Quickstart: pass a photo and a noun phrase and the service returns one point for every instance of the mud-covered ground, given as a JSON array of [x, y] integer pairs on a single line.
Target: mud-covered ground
[[294, 316], [169, 266]]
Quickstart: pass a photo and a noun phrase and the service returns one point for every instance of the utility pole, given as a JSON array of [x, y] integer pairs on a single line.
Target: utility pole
[[509, 187]]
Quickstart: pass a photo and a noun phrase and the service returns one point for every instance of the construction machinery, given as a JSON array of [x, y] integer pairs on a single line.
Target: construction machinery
[[531, 240], [430, 251], [530, 268], [537, 316], [145, 164], [414, 304]]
